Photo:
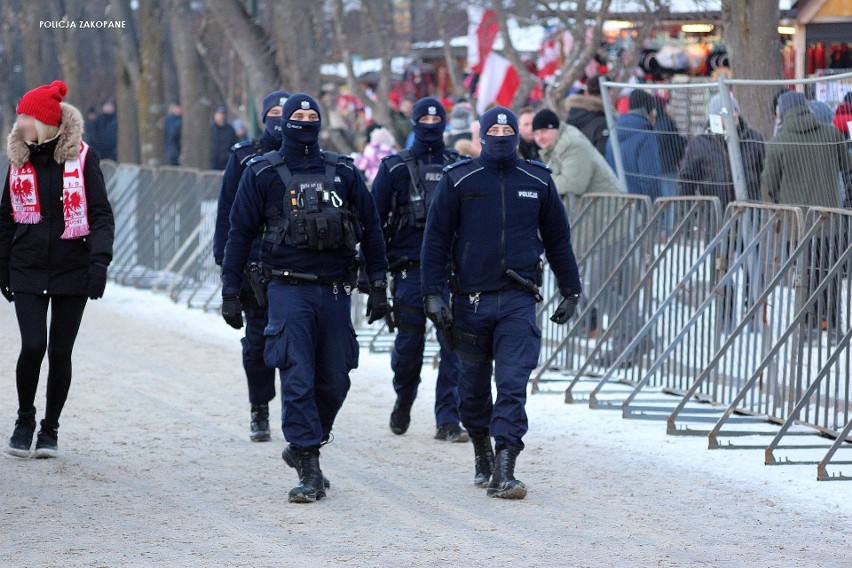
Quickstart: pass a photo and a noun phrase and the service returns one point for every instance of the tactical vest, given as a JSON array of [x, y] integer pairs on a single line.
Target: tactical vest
[[313, 216], [421, 190]]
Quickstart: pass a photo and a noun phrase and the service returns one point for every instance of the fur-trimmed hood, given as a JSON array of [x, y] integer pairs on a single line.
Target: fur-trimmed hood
[[584, 102], [68, 147]]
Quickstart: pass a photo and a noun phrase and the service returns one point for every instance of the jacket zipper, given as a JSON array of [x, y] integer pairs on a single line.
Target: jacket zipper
[[503, 226]]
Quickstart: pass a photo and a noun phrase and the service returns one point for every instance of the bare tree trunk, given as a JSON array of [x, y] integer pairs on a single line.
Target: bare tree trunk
[[442, 7], [68, 50], [298, 27], [379, 16], [250, 42], [150, 103], [750, 32], [33, 69], [528, 81], [127, 116], [195, 139], [128, 46]]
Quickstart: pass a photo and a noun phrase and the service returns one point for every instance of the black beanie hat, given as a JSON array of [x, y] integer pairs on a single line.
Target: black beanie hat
[[641, 100], [299, 101], [428, 105], [545, 118], [497, 115], [273, 99]]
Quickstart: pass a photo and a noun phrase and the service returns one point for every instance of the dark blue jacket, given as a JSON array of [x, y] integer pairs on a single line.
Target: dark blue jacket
[[241, 153], [640, 153], [393, 180], [262, 192], [489, 217]]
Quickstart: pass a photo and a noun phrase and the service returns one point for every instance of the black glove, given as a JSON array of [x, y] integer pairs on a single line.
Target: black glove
[[5, 280], [97, 280], [232, 311], [438, 311], [566, 308], [377, 301]]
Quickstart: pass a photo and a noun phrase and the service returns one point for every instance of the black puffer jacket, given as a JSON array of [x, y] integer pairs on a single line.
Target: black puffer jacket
[[38, 260]]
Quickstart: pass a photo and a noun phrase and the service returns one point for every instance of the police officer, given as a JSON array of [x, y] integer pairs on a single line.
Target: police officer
[[261, 379], [313, 208], [494, 216], [403, 189]]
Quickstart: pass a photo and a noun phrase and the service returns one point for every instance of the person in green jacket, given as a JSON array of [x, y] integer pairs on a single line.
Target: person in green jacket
[[808, 164], [807, 160]]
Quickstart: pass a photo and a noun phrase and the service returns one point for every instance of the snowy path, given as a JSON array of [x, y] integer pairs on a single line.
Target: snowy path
[[157, 469]]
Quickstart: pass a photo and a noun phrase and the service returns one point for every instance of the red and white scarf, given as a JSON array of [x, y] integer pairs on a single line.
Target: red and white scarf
[[26, 207]]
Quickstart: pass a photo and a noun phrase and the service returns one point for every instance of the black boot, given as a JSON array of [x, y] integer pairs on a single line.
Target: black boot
[[483, 460], [452, 432], [289, 457], [400, 418], [47, 443], [260, 423], [503, 483], [310, 486], [22, 437]]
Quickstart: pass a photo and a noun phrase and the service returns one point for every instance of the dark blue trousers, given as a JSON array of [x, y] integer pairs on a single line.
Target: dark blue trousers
[[508, 341], [261, 379], [407, 354], [310, 339]]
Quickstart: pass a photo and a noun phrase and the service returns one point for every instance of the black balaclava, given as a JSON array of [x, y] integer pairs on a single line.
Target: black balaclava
[[429, 134], [498, 149], [301, 133], [273, 125]]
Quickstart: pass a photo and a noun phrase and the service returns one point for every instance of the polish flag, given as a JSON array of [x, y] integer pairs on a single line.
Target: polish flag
[[481, 30], [497, 82]]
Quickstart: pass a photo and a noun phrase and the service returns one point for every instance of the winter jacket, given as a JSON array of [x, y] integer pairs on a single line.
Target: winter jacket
[[577, 167], [222, 138], [803, 162], [586, 113], [173, 138], [39, 261], [489, 217], [672, 144], [706, 169], [371, 158], [640, 154], [105, 136]]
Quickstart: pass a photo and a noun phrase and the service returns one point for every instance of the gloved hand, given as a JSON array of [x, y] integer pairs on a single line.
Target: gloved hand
[[5, 280], [438, 311], [232, 311], [377, 301], [566, 308], [97, 280]]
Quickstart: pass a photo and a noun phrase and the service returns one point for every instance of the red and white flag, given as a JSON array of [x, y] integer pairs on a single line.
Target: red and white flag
[[497, 83], [482, 28]]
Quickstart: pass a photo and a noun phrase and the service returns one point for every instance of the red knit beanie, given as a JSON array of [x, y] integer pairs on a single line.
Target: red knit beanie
[[42, 103]]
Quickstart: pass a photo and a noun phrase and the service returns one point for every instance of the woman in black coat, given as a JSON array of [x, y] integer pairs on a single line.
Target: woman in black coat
[[56, 234]]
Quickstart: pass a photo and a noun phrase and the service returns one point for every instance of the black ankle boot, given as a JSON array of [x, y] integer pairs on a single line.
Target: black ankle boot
[[503, 483], [289, 457], [260, 423], [310, 486], [47, 443], [400, 418], [22, 437], [483, 460]]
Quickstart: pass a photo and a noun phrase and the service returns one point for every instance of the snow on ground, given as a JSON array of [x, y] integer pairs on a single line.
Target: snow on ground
[[157, 469]]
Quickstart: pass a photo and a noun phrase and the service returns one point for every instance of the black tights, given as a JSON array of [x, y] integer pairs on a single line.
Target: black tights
[[66, 314]]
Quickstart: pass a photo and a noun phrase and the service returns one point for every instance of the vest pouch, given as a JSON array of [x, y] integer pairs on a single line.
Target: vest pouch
[[297, 235], [325, 229]]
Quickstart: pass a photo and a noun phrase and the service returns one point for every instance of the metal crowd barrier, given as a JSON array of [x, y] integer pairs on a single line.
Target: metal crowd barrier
[[747, 323]]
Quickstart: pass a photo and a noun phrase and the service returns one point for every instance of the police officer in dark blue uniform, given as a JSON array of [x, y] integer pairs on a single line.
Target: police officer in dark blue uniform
[[403, 189], [313, 207], [494, 216], [261, 379]]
